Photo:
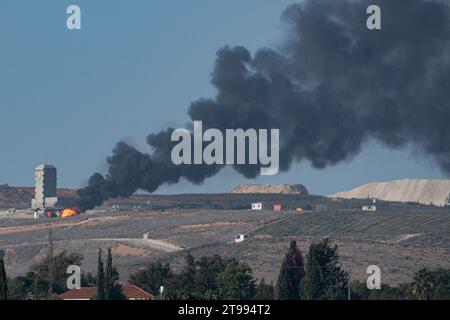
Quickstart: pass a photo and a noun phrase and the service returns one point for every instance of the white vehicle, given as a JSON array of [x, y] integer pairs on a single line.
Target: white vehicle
[[369, 208], [241, 238]]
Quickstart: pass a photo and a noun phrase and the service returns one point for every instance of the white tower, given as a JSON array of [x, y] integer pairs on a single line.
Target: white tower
[[45, 187]]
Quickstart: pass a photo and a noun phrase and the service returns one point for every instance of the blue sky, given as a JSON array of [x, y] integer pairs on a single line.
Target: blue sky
[[66, 97]]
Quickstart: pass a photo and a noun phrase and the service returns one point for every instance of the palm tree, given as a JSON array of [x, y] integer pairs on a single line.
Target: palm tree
[[423, 284]]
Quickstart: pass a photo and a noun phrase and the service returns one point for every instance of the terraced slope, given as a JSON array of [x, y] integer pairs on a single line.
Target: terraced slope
[[425, 226]]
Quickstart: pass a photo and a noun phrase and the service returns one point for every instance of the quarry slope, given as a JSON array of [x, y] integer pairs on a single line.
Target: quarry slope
[[426, 192]]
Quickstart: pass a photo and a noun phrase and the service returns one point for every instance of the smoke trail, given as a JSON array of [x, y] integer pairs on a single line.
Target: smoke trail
[[330, 86]]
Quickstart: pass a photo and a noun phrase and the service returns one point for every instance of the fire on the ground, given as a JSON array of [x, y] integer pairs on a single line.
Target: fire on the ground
[[55, 213]]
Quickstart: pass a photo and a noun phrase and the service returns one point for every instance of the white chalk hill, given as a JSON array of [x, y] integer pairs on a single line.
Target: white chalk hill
[[421, 191]]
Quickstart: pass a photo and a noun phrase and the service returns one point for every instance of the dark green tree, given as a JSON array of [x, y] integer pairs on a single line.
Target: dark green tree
[[207, 272], [264, 291], [54, 267], [210, 278], [359, 291], [113, 288], [3, 281], [34, 285], [441, 279], [21, 287], [291, 273], [423, 285], [236, 282], [100, 277], [189, 273], [88, 279], [401, 292], [109, 281], [184, 286], [324, 278], [153, 277]]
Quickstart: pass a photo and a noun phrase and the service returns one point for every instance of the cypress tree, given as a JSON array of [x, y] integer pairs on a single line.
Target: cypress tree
[[325, 279], [291, 273], [188, 274], [100, 277], [109, 280], [3, 281]]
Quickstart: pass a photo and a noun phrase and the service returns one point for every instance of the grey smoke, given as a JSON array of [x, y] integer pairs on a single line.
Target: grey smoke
[[331, 85]]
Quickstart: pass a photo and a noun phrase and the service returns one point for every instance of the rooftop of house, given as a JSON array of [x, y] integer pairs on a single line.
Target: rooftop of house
[[130, 291]]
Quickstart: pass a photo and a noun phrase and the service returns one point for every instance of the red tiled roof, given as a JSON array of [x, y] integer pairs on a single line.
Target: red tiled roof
[[88, 293], [135, 293], [85, 293]]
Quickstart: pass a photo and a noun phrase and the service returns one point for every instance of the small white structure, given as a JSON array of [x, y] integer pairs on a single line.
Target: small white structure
[[369, 208], [257, 206], [39, 213], [241, 238]]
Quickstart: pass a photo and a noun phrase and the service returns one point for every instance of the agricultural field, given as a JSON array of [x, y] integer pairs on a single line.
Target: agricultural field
[[421, 225], [400, 238]]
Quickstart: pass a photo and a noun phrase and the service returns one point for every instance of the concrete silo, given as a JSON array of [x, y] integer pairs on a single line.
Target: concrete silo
[[45, 187]]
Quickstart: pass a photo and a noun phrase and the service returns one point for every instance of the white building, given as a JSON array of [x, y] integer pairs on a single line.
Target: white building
[[45, 187], [258, 206]]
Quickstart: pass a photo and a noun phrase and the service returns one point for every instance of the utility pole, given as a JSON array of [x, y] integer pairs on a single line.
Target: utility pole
[[50, 261], [348, 284]]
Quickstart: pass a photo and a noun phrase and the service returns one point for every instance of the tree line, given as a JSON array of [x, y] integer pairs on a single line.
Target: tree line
[[322, 277]]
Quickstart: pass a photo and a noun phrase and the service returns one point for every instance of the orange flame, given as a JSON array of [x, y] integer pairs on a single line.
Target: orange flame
[[69, 212]]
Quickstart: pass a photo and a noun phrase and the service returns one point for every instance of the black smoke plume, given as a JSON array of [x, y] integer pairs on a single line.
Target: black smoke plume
[[330, 86]]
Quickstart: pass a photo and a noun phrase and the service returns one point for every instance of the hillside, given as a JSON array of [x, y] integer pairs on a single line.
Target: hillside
[[14, 197], [421, 191], [20, 197], [400, 238], [271, 189]]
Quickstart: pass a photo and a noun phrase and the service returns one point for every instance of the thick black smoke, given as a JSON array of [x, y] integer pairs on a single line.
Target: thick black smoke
[[330, 86]]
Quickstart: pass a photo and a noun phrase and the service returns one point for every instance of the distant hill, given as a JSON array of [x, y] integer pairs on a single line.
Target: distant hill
[[421, 191], [14, 197], [271, 189], [62, 192], [20, 197]]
